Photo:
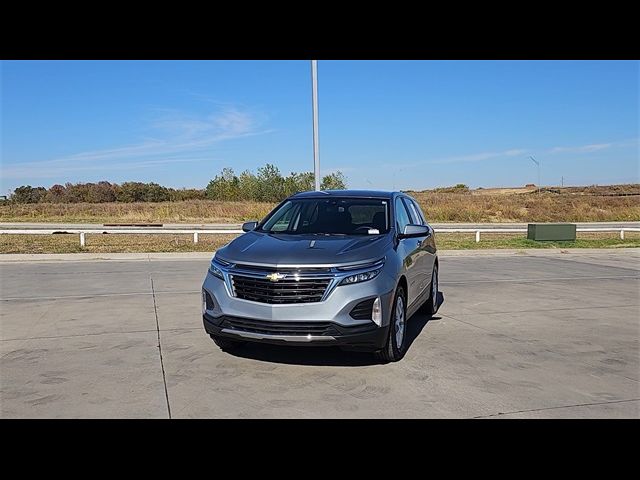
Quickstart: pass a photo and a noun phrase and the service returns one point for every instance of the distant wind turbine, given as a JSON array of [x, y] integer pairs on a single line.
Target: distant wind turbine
[[538, 165]]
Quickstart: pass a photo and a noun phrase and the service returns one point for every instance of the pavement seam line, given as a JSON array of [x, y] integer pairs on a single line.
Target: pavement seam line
[[583, 261], [559, 309], [542, 279], [555, 408], [164, 377], [92, 295], [53, 337], [525, 341], [473, 325], [199, 256]]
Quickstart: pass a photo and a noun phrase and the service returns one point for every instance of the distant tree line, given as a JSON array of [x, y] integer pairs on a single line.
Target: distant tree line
[[102, 192], [268, 185], [458, 188]]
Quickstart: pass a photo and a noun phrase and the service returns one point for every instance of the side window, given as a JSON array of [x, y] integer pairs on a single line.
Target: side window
[[402, 216], [285, 222], [418, 212], [415, 219]]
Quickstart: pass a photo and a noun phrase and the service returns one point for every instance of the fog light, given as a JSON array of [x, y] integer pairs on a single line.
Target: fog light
[[207, 301], [376, 312]]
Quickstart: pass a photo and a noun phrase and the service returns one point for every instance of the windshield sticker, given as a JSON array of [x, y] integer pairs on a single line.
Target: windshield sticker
[[374, 231]]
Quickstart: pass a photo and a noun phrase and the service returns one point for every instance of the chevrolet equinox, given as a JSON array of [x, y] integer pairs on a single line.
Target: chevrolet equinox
[[336, 267]]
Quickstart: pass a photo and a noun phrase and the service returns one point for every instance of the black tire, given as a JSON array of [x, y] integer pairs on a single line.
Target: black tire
[[226, 344], [430, 307], [391, 351]]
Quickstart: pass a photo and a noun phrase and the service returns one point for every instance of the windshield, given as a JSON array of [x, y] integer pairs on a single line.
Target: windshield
[[332, 216]]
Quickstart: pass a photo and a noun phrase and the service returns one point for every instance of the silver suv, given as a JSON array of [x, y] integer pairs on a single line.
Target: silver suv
[[339, 267]]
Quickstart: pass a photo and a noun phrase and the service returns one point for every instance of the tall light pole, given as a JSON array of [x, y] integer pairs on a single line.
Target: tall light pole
[[394, 178], [538, 165], [314, 99]]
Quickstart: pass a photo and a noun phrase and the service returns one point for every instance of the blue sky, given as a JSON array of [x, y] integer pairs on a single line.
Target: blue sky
[[385, 124]]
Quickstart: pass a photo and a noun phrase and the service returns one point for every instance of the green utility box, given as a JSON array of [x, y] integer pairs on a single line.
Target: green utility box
[[551, 231]]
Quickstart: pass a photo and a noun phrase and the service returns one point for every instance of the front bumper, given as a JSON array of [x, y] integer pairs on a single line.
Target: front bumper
[[333, 311], [368, 336]]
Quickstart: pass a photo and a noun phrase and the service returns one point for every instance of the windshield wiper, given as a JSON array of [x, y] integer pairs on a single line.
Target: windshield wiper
[[326, 234]]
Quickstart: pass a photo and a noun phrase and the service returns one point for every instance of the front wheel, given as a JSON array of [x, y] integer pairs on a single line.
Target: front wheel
[[396, 344]]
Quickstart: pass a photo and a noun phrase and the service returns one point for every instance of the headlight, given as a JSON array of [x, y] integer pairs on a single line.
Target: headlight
[[360, 277], [215, 271]]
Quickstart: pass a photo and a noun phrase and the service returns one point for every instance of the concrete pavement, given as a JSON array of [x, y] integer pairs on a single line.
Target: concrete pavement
[[519, 336]]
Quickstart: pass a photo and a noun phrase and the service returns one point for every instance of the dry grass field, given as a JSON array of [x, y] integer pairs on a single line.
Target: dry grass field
[[571, 204], [190, 211], [598, 190], [546, 207], [105, 243]]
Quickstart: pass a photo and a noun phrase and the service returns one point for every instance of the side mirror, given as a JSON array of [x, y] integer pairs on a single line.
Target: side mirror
[[248, 226], [411, 231]]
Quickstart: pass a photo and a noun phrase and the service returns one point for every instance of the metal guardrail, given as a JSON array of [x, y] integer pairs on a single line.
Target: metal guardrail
[[130, 231], [524, 230]]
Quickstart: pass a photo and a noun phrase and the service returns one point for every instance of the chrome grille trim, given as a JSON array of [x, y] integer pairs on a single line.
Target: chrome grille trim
[[332, 275], [299, 274], [290, 290]]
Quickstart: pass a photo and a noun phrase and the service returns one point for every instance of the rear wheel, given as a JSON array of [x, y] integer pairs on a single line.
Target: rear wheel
[[225, 343], [396, 344], [430, 307]]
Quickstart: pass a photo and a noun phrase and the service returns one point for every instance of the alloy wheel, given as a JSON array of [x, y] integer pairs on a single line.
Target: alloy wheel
[[399, 322], [434, 289]]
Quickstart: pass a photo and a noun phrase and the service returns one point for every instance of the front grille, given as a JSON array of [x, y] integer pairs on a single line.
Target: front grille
[[263, 290], [362, 311], [279, 328]]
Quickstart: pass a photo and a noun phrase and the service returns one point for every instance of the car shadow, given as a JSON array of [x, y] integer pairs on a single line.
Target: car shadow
[[323, 356], [416, 324]]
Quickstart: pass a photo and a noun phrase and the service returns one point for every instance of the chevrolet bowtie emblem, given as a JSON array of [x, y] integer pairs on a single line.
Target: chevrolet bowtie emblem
[[274, 277]]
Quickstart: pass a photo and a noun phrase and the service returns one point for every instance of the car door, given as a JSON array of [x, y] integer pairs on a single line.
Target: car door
[[409, 249], [422, 277], [427, 254]]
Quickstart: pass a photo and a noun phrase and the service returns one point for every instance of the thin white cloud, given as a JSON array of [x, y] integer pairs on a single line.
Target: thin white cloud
[[178, 137], [32, 172], [582, 149], [515, 152], [473, 157]]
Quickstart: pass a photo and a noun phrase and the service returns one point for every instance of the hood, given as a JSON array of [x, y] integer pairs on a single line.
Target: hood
[[287, 250]]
